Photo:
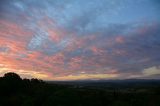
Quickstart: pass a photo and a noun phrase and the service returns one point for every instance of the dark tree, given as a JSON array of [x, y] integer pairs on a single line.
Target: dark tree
[[12, 76]]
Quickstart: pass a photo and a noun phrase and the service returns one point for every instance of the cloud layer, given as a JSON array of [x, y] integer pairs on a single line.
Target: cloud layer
[[80, 39]]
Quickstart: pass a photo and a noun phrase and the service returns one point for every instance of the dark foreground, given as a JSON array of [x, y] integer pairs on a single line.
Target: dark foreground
[[15, 91]]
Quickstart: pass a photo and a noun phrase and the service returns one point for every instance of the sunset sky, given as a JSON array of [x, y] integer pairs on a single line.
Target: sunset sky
[[80, 39]]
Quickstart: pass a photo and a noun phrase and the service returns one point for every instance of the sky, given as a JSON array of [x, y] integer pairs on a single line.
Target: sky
[[80, 39]]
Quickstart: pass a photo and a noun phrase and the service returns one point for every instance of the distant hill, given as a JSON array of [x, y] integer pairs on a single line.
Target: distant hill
[[110, 83]]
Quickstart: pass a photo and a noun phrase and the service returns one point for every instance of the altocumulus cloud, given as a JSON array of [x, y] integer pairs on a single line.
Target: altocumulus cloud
[[80, 39]]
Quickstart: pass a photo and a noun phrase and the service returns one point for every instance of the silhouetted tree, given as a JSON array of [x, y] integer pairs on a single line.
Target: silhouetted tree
[[11, 83], [11, 76]]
